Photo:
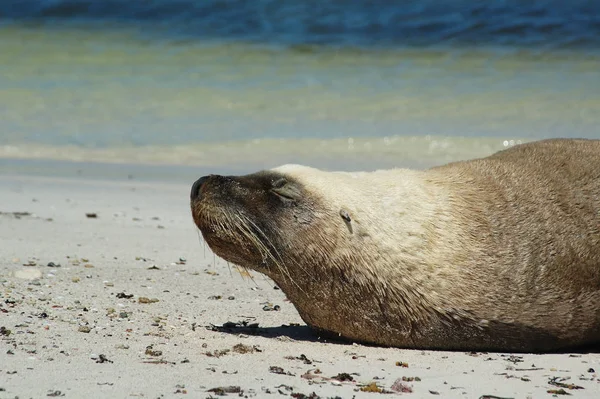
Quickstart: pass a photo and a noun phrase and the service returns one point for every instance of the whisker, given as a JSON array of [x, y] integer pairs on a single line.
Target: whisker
[[282, 268], [275, 249]]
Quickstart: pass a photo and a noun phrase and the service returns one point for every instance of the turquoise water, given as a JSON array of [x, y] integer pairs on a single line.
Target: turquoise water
[[119, 92]]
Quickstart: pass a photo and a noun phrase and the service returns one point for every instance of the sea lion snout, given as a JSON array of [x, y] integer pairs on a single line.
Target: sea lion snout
[[195, 194]]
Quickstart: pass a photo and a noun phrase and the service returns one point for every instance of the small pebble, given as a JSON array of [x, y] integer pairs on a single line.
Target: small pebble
[[143, 299]]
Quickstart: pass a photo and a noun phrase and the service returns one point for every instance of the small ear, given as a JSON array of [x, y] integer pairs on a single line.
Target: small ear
[[347, 219], [345, 215]]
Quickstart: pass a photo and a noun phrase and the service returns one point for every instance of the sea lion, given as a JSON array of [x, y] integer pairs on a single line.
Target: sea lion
[[500, 253]]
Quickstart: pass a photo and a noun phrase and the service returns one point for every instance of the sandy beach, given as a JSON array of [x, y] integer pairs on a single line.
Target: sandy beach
[[107, 290]]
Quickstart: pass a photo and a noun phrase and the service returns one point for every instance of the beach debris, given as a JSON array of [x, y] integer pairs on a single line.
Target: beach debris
[[558, 392], [298, 395], [532, 368], [411, 379], [371, 387], [52, 264], [54, 394], [434, 392], [143, 299], [231, 298], [557, 382], [122, 295], [304, 359], [217, 352], [181, 261], [150, 351], [268, 307], [342, 377], [17, 215], [180, 388], [103, 359], [222, 391], [513, 358], [400, 385], [84, 329], [402, 364], [243, 349], [282, 388], [153, 267], [30, 263], [279, 370], [214, 297], [230, 325], [91, 215], [312, 374], [301, 357], [493, 397], [158, 361], [5, 331]]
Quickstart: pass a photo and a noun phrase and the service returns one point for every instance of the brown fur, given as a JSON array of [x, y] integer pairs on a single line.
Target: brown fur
[[500, 253]]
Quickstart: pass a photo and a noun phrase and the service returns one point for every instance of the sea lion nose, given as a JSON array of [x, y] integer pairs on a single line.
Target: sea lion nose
[[195, 193]]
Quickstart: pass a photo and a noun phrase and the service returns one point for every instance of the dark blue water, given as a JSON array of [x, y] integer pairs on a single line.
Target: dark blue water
[[545, 24]]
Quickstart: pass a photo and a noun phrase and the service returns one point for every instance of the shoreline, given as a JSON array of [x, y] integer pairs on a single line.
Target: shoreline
[[187, 163]]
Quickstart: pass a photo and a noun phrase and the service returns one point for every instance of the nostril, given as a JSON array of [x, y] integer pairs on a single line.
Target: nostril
[[195, 193]]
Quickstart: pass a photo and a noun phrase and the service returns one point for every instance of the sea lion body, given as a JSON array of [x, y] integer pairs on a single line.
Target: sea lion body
[[499, 253]]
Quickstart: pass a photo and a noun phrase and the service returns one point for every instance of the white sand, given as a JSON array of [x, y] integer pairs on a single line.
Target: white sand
[[44, 308]]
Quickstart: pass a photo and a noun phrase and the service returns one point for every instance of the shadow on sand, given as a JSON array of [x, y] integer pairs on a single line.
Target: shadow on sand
[[305, 333], [302, 333]]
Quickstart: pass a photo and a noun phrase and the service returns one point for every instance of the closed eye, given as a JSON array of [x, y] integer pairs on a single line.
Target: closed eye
[[279, 183], [285, 190]]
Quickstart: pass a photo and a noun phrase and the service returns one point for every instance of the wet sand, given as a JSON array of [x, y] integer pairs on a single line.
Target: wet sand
[[130, 303]]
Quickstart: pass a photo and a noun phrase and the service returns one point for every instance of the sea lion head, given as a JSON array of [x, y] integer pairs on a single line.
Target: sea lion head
[[266, 221]]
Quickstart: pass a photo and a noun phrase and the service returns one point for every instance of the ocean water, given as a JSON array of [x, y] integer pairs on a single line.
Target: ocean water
[[241, 85]]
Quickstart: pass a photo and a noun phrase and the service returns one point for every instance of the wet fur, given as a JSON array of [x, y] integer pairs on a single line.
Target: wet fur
[[500, 253]]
